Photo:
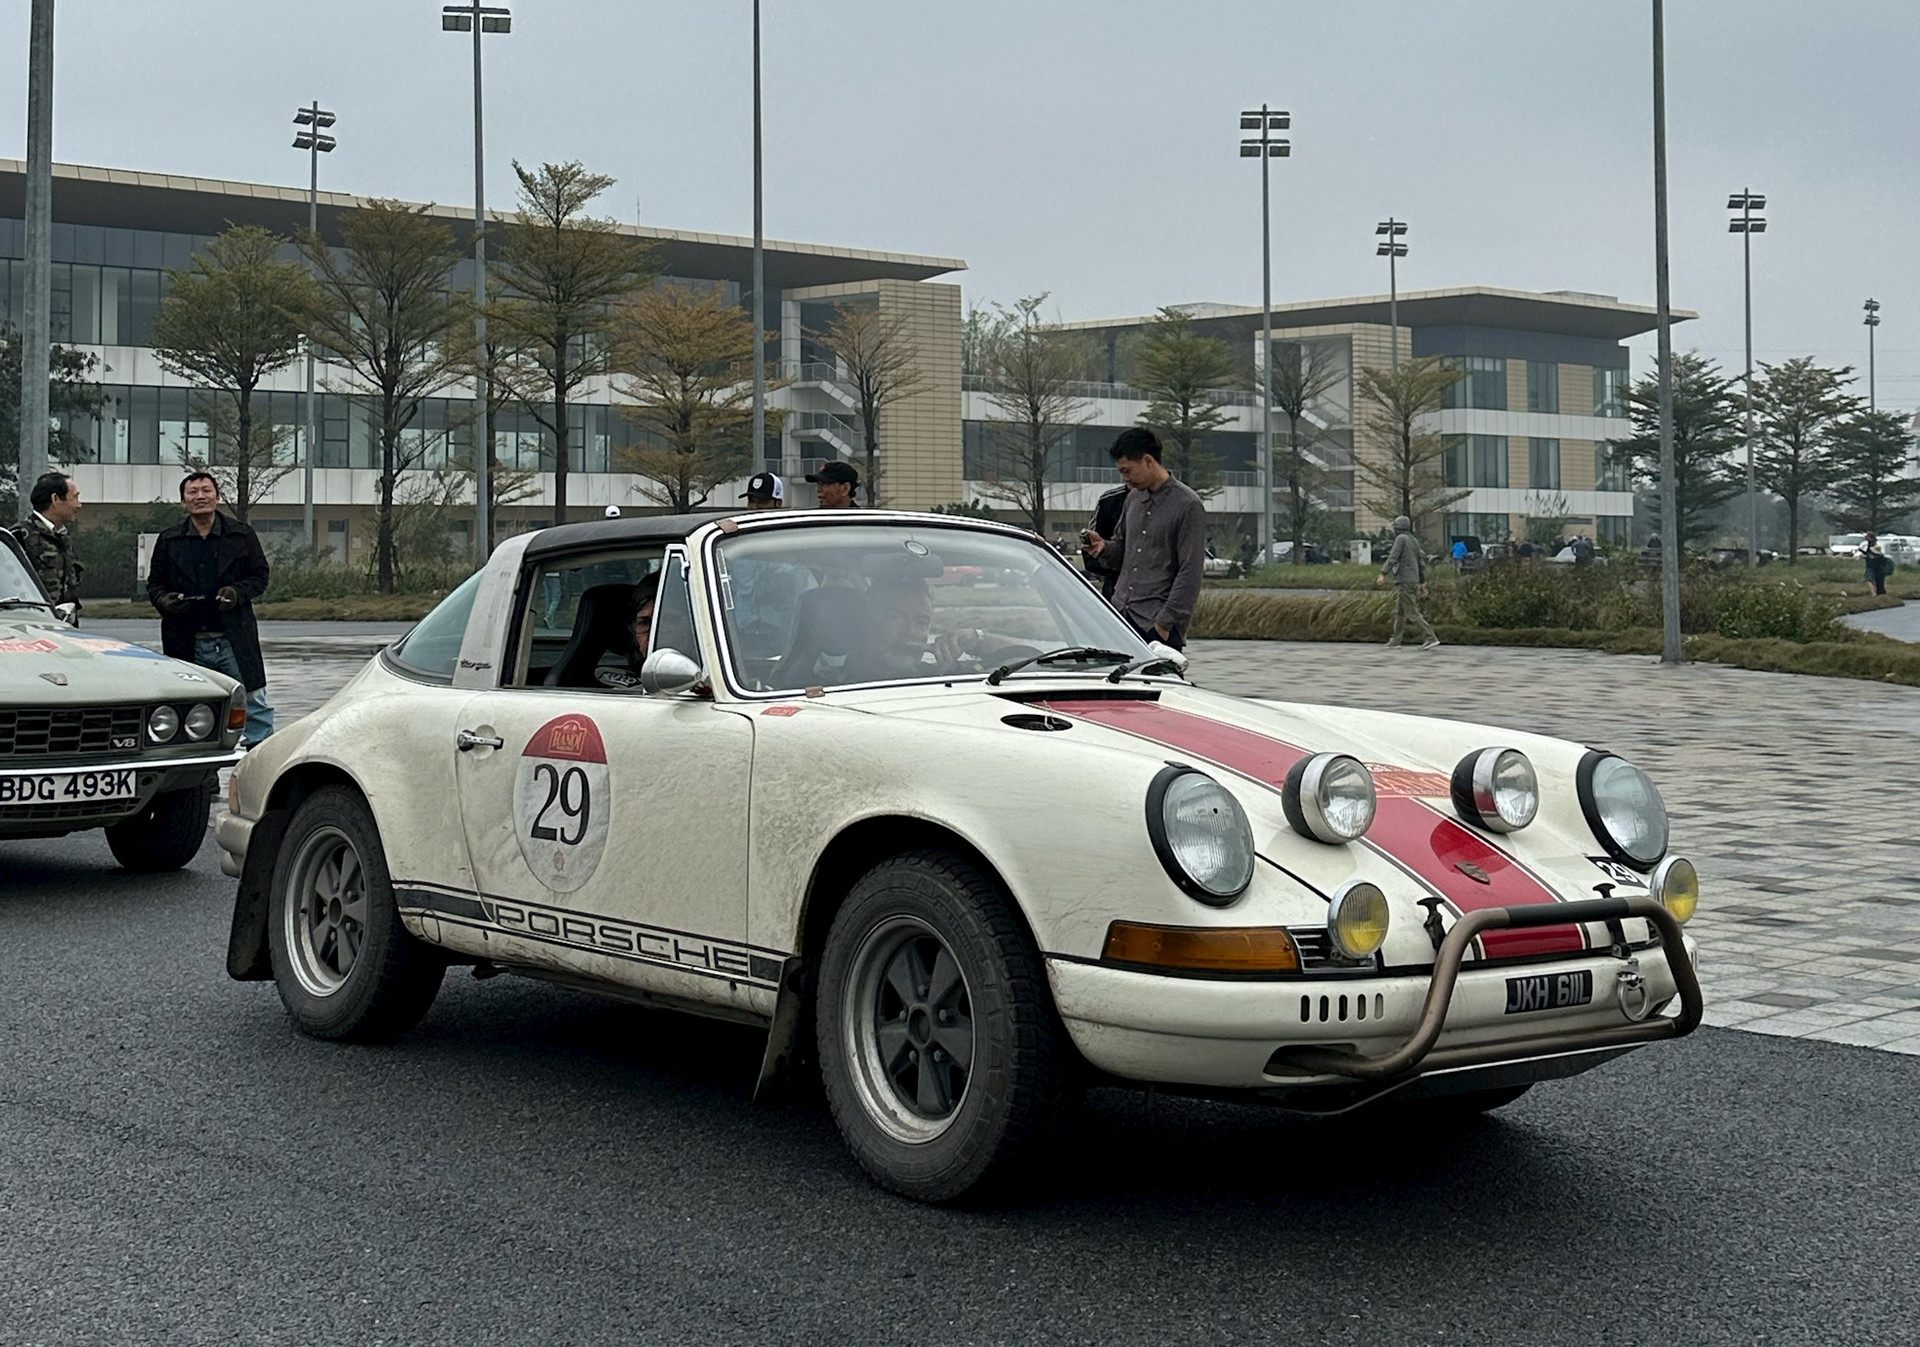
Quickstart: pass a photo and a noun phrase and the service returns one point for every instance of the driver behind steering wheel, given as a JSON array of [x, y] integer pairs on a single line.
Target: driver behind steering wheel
[[901, 607]]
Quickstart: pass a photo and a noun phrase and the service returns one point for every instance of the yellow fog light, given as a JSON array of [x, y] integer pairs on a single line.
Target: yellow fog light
[[1204, 949], [1357, 920], [1676, 887]]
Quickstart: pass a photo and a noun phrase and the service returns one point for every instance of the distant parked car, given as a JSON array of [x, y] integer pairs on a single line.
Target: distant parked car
[[1215, 565], [1846, 544]]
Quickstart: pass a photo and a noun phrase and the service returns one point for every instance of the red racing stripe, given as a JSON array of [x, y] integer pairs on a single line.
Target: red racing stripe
[[1418, 838]]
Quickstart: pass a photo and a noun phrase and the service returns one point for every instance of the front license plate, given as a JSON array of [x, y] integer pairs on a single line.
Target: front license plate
[[115, 783], [1549, 991]]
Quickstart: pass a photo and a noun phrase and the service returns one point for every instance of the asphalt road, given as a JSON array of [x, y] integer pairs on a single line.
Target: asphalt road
[[535, 1166]]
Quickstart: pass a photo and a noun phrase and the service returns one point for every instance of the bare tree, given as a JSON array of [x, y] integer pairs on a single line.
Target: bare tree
[[1303, 373], [562, 275], [685, 359], [384, 316], [1030, 369], [485, 365], [229, 321], [882, 364], [1410, 478], [247, 473]]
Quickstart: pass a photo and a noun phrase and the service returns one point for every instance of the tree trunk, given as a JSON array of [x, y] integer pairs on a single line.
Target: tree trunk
[[493, 486], [389, 434], [1293, 491], [243, 475], [1037, 466], [1793, 528], [560, 429]]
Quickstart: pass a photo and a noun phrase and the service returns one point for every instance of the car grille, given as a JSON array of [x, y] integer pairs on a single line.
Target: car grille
[[46, 731], [96, 811], [1316, 953]]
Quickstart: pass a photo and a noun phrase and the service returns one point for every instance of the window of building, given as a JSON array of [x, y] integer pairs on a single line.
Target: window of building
[[1543, 386], [1613, 528], [1475, 460], [1610, 468], [1609, 392], [1543, 464], [1488, 528], [1485, 384]]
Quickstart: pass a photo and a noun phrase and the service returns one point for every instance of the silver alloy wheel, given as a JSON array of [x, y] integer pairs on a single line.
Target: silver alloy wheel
[[906, 1020], [326, 911]]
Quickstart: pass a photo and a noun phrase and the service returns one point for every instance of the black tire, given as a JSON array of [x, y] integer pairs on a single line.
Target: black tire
[[167, 833], [917, 1119], [345, 966]]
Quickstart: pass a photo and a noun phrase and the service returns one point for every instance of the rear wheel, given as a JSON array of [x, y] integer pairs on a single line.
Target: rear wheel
[[940, 1052], [167, 833], [344, 965]]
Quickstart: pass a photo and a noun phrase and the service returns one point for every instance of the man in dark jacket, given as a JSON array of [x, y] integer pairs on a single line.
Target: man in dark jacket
[[206, 572], [48, 544], [1106, 523]]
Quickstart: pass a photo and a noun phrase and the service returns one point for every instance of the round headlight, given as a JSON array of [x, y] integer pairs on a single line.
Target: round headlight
[[163, 724], [1329, 798], [1624, 809], [1496, 789], [1201, 834], [1676, 887], [1357, 919], [200, 721]]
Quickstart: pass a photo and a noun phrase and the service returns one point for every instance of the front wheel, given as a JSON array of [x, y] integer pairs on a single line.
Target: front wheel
[[344, 965], [940, 1051], [167, 833]]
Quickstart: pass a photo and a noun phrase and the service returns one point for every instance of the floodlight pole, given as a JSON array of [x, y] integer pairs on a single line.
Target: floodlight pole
[[315, 144], [1670, 648], [1747, 226], [1267, 120], [36, 355], [480, 20], [1393, 250], [759, 277], [1872, 320]]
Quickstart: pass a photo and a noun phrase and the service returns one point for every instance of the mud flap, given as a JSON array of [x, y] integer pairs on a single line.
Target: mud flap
[[778, 1064], [247, 957]]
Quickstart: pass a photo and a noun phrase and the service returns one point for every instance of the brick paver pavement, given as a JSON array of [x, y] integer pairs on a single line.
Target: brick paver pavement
[[1794, 796]]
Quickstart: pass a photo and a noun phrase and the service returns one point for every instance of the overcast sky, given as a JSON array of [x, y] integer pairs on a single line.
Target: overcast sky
[[1087, 147]]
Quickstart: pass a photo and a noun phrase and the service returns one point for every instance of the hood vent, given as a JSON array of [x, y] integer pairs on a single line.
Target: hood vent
[[1035, 721]]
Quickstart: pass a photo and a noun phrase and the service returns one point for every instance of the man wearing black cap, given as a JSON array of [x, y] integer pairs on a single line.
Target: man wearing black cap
[[839, 483], [765, 491]]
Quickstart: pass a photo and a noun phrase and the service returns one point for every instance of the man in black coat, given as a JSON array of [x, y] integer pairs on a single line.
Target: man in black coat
[[206, 572]]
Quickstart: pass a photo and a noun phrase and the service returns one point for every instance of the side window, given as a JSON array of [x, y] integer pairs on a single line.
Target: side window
[[432, 648], [583, 621]]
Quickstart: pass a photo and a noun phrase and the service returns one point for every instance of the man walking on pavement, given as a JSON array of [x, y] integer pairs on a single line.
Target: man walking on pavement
[[1159, 548], [206, 572], [1405, 569], [44, 537]]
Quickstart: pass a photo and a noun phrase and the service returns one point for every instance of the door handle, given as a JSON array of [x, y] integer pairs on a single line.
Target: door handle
[[466, 741]]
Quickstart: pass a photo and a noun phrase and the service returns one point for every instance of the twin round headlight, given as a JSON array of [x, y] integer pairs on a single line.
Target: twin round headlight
[[164, 722], [1201, 835]]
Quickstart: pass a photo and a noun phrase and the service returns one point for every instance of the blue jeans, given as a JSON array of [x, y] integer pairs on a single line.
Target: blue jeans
[[216, 653]]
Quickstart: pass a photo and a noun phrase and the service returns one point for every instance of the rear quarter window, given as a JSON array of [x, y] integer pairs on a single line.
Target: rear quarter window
[[432, 648]]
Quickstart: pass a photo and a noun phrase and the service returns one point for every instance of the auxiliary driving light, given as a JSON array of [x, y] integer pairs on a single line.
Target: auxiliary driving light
[[163, 724], [1329, 798], [1496, 789], [1624, 809], [1676, 887], [1357, 919]]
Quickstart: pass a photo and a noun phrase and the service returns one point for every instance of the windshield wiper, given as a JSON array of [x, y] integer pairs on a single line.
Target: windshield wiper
[[16, 601], [1142, 665], [1065, 652]]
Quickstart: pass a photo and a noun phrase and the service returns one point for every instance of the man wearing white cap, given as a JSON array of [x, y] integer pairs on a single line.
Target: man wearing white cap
[[765, 491]]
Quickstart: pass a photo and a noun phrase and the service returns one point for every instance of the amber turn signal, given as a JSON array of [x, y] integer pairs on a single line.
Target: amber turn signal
[[237, 717], [1204, 949]]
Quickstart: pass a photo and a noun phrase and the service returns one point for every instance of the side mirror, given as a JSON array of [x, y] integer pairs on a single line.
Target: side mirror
[[669, 671], [1169, 654]]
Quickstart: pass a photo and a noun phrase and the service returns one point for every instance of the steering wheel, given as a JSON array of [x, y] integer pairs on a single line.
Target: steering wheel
[[1007, 654]]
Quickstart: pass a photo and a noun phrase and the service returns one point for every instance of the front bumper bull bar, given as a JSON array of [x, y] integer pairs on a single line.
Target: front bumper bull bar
[[1417, 1054]]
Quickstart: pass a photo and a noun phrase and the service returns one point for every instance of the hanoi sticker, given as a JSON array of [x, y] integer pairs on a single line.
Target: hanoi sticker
[[561, 802]]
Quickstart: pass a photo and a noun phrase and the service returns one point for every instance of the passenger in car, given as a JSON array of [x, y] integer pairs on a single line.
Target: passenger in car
[[639, 637]]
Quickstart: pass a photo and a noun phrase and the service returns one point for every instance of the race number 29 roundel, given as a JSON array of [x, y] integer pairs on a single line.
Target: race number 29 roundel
[[561, 802]]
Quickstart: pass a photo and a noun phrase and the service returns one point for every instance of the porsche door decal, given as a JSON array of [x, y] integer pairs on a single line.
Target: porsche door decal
[[561, 802]]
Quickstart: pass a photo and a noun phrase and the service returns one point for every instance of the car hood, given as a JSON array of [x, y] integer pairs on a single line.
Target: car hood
[[45, 662]]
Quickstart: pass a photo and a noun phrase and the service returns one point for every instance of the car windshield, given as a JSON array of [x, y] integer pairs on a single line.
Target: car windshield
[[18, 588], [835, 605]]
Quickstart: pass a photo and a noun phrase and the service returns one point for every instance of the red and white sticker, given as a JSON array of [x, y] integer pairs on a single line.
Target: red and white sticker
[[38, 646], [561, 802]]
